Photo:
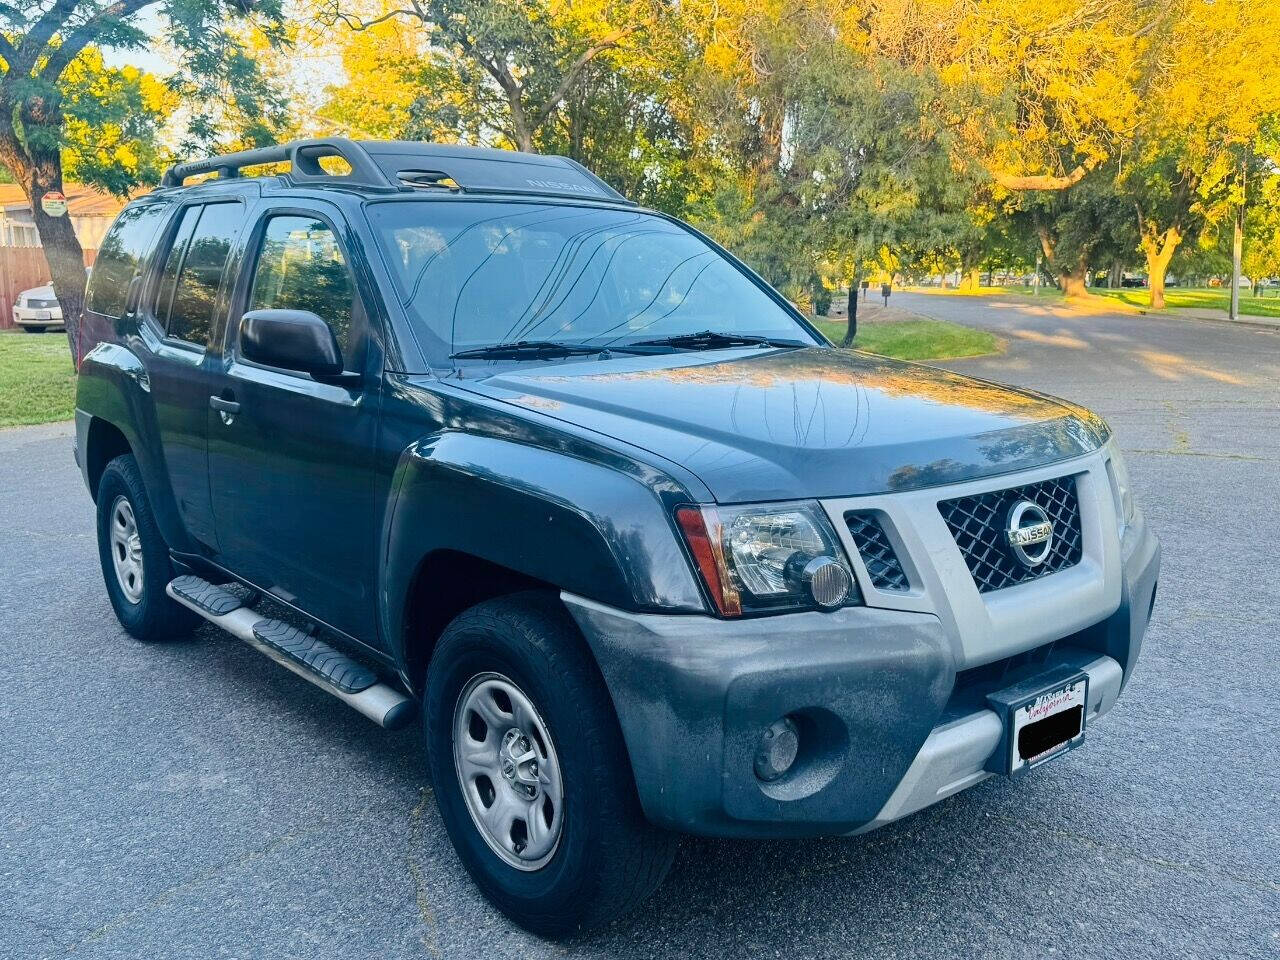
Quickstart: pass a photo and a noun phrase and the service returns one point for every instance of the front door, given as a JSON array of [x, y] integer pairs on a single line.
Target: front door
[[290, 457]]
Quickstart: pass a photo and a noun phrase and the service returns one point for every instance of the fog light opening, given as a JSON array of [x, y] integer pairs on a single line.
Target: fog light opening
[[779, 747]]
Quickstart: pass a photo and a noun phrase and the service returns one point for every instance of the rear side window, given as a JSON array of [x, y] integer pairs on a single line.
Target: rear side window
[[300, 267], [173, 262], [203, 262], [125, 246]]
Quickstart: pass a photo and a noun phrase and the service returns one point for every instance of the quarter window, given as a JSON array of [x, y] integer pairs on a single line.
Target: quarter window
[[124, 247], [300, 267], [195, 294]]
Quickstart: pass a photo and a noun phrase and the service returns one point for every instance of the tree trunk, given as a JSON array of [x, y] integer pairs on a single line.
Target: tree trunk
[[1155, 284], [520, 131], [1073, 281], [972, 278], [1115, 279], [1159, 251], [38, 170], [62, 250], [851, 328]]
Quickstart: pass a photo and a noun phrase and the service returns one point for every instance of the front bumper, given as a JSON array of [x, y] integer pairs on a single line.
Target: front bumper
[[888, 724]]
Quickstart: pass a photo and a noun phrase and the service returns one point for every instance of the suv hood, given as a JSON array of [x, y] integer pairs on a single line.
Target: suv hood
[[766, 424]]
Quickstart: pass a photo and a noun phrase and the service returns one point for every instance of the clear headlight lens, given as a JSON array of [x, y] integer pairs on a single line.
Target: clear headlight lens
[[1120, 486], [767, 557]]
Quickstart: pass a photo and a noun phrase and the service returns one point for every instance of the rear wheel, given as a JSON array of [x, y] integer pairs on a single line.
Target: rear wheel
[[531, 773], [135, 559]]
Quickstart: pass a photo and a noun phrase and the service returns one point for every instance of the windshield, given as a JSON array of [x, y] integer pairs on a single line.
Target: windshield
[[472, 275]]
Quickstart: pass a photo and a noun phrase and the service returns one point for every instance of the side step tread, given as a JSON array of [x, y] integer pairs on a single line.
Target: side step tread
[[207, 596], [334, 667]]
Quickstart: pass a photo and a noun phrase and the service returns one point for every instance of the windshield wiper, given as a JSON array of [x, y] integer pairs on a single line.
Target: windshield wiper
[[524, 348], [711, 340]]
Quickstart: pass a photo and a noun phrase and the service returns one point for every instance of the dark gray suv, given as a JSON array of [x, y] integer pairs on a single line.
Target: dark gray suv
[[464, 433]]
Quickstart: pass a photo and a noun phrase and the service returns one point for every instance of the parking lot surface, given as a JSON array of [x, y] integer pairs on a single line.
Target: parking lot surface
[[193, 800]]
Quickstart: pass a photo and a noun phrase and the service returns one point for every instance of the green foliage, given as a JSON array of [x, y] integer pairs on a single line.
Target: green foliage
[[113, 118], [56, 94]]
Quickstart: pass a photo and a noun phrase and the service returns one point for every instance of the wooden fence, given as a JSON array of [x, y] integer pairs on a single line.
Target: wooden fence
[[22, 268]]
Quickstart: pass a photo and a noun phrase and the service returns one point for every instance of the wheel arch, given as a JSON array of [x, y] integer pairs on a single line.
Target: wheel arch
[[104, 441], [446, 583]]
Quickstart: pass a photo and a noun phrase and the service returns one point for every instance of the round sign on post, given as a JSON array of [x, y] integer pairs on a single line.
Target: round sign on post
[[53, 204]]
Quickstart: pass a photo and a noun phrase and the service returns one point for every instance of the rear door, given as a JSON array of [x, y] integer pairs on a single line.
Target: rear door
[[178, 315], [291, 463]]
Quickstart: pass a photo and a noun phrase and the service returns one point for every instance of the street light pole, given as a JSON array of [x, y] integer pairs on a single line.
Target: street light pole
[[1237, 244]]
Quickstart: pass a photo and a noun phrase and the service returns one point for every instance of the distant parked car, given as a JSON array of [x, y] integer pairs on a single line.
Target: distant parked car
[[1128, 281], [37, 310]]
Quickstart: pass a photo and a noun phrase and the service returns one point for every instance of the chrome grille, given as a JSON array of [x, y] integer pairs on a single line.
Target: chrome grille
[[979, 524], [877, 552]]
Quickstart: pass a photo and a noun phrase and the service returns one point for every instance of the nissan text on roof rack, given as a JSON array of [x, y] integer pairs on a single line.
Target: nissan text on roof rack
[[465, 436]]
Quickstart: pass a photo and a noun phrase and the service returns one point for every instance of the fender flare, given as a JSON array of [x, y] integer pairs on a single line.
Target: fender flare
[[571, 523]]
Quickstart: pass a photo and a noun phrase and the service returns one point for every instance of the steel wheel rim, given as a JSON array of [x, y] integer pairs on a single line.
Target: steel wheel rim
[[508, 770], [126, 549]]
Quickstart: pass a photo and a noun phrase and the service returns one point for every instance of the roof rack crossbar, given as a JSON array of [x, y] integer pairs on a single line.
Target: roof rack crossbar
[[303, 157]]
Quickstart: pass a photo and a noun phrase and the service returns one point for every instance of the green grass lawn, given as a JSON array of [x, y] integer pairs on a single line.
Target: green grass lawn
[[916, 339], [37, 383], [1214, 298]]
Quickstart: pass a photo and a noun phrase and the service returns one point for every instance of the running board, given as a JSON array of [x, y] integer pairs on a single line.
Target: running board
[[303, 653]]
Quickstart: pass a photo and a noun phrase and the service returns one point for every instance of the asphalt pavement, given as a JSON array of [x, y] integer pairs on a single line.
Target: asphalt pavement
[[191, 799]]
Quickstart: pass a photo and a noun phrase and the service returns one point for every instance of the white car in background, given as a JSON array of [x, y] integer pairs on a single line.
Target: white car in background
[[37, 309]]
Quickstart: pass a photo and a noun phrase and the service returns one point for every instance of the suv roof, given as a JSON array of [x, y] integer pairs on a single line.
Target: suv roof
[[382, 166]]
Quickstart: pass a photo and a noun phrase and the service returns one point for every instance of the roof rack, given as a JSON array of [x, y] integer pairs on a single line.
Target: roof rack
[[413, 166], [303, 157]]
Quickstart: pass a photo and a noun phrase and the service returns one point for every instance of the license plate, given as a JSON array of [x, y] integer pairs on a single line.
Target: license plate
[[1041, 724]]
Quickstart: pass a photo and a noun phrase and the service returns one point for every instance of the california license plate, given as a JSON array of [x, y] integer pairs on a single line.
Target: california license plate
[[1041, 724]]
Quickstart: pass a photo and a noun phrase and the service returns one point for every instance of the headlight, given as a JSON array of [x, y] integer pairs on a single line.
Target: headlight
[[778, 556], [1120, 487]]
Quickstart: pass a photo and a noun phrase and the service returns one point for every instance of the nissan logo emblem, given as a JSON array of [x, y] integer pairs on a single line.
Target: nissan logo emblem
[[1030, 534]]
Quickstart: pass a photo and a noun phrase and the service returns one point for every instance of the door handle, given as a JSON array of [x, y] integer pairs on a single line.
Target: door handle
[[230, 407]]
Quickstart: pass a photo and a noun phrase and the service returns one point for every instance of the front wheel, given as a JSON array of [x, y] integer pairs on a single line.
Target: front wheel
[[531, 774], [135, 559]]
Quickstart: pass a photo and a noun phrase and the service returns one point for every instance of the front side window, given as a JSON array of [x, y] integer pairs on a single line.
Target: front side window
[[195, 292], [123, 248], [300, 267], [476, 274]]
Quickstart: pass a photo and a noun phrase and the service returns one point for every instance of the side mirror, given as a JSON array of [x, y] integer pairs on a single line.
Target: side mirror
[[291, 340]]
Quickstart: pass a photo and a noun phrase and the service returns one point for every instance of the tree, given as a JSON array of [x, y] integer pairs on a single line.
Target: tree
[[618, 118], [48, 87], [1208, 88], [525, 55]]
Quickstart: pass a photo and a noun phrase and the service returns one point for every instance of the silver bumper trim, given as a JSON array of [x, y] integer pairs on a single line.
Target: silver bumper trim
[[955, 754]]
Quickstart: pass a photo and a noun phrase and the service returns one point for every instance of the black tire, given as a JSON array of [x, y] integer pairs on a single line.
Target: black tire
[[609, 857], [33, 329], [153, 615]]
